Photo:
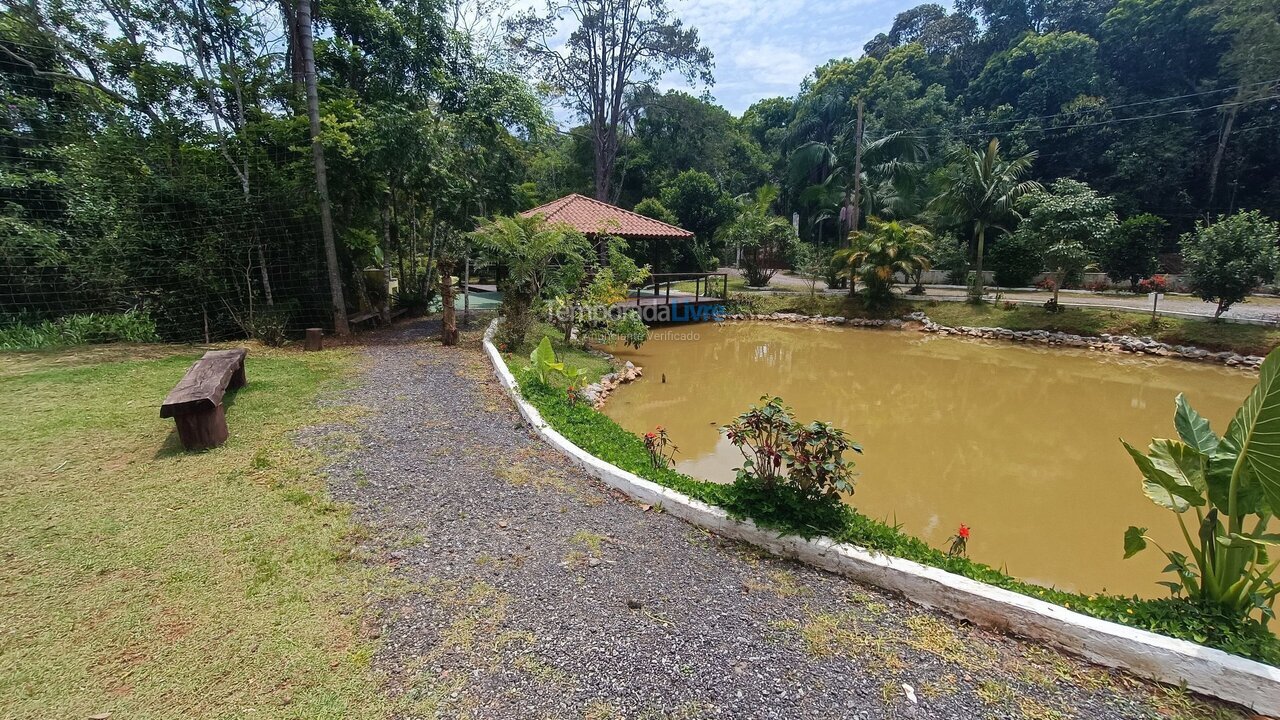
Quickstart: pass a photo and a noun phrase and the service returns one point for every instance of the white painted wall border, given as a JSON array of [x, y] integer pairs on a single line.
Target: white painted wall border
[[1144, 654]]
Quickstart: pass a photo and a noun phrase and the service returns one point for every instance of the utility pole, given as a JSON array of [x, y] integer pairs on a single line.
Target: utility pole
[[856, 206], [305, 43]]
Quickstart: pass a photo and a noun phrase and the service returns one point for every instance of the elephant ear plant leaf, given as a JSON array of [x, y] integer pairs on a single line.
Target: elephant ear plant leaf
[[1232, 484], [543, 361]]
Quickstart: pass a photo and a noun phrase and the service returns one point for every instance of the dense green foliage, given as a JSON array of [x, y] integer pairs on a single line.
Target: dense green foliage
[[1228, 258], [790, 511], [155, 156], [882, 252], [131, 326]]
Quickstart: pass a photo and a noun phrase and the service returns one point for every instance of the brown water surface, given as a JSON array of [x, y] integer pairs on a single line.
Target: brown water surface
[[1018, 442]]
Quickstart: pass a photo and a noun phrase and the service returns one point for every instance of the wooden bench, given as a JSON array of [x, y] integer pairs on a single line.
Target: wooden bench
[[195, 403]]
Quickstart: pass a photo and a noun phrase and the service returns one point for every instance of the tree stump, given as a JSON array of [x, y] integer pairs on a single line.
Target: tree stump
[[315, 339]]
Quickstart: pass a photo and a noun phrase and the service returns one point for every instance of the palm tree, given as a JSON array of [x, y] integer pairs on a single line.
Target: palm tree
[[761, 237], [877, 254], [893, 160], [981, 189], [532, 250]]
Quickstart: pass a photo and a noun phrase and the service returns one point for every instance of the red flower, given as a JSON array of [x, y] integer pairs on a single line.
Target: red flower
[[964, 532], [649, 436]]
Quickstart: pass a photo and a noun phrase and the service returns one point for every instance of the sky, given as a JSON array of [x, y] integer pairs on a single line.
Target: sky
[[765, 48]]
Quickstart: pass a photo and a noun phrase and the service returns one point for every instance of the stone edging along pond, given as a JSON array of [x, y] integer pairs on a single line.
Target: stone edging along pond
[[1103, 343], [1139, 652]]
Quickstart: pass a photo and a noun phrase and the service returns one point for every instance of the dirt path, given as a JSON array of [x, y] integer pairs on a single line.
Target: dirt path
[[524, 589]]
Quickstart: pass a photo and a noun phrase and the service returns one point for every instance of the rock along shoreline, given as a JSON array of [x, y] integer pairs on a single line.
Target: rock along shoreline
[[1101, 343]]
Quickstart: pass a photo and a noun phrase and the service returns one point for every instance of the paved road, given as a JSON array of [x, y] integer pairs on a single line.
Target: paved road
[[522, 588], [1257, 309]]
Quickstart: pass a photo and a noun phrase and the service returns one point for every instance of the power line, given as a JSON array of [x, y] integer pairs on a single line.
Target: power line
[[919, 133], [1109, 108]]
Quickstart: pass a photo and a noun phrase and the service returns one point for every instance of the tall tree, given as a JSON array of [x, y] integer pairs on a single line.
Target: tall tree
[[616, 48]]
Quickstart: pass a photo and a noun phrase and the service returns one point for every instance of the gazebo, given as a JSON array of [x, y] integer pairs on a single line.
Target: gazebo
[[594, 218]]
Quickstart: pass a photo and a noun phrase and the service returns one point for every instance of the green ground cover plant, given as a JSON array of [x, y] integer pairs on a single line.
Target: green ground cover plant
[[792, 513], [84, 329], [146, 582]]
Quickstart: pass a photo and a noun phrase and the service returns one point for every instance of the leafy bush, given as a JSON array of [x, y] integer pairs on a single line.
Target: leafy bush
[[951, 256], [878, 254], [85, 329], [786, 511], [1133, 251], [1016, 259], [1229, 258], [777, 452]]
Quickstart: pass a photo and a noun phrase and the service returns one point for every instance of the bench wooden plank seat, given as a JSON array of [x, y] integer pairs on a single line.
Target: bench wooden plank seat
[[362, 317], [195, 403]]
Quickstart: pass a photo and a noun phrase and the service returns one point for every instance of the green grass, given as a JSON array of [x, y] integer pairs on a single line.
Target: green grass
[[597, 434], [1236, 337], [146, 582]]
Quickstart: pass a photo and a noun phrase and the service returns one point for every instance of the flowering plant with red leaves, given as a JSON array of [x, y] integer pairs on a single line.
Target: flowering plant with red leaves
[[1155, 283], [960, 542], [777, 449], [661, 449]]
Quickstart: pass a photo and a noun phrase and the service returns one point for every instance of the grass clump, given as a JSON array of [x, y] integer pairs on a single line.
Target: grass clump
[[146, 582], [786, 510]]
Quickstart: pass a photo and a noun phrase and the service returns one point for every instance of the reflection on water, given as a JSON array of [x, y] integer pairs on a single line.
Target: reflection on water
[[1020, 443]]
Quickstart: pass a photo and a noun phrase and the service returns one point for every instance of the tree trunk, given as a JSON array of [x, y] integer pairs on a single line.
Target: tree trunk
[[340, 326], [975, 292], [855, 208], [1218, 154], [448, 315], [262, 264]]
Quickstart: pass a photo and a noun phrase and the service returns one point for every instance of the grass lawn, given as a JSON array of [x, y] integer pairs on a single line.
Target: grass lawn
[[145, 582], [1246, 339]]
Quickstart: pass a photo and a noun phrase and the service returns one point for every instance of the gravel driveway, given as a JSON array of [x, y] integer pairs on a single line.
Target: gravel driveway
[[522, 588]]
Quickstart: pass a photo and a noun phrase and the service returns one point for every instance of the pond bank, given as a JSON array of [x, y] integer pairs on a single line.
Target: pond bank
[[1104, 343]]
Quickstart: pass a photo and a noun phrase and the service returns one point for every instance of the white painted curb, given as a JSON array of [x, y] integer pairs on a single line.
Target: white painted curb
[[1139, 652]]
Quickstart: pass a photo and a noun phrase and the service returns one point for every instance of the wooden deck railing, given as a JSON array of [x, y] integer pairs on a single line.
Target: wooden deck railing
[[706, 286]]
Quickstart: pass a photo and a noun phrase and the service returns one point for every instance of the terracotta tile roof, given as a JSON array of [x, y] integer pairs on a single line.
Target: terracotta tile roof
[[594, 217]]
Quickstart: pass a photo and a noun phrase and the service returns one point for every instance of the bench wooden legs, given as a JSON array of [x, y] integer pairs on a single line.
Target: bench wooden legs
[[207, 429]]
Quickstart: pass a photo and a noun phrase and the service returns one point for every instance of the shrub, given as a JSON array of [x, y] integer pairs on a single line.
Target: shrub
[[1016, 259], [270, 326], [778, 451], [1155, 283], [1233, 486], [952, 257], [1132, 252], [1227, 259]]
